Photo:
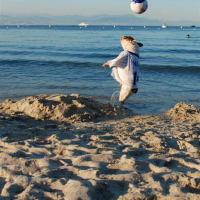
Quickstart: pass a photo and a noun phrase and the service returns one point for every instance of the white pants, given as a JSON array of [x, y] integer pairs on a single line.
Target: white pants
[[125, 93]]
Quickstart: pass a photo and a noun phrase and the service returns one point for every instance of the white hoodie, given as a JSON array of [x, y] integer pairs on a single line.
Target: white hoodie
[[126, 66]]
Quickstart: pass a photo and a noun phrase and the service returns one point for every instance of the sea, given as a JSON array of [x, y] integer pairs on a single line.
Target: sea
[[53, 59]]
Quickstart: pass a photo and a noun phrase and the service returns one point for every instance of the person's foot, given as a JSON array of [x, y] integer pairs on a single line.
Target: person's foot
[[121, 104]]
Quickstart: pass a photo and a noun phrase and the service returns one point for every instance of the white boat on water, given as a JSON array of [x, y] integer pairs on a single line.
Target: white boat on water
[[83, 24], [164, 26]]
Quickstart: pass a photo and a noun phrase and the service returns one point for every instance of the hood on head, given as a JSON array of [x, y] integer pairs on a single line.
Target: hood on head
[[131, 46]]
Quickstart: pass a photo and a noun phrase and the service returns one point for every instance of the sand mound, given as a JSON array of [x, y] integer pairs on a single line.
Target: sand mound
[[70, 108], [184, 112]]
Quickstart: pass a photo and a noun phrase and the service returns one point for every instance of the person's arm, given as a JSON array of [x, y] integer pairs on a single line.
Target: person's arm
[[120, 61], [105, 65]]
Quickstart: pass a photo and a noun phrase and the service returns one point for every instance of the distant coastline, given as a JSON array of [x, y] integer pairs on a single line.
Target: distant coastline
[[92, 20], [89, 26]]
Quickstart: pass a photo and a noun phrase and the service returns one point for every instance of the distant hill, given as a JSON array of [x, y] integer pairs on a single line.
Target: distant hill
[[91, 20]]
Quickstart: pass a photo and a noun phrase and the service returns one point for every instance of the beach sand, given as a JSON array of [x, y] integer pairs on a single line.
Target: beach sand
[[69, 147]]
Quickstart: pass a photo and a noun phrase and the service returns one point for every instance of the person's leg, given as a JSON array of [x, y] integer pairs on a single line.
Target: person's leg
[[134, 90], [125, 93]]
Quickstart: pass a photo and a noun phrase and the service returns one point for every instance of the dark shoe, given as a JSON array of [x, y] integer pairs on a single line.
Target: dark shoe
[[121, 104]]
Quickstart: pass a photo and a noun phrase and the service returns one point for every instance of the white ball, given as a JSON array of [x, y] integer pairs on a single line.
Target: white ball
[[139, 6]]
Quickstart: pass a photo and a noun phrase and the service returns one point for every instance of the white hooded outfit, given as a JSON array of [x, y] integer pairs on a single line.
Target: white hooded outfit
[[125, 68]]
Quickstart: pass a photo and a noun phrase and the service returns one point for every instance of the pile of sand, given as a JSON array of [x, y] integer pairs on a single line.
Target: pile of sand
[[69, 108], [184, 112]]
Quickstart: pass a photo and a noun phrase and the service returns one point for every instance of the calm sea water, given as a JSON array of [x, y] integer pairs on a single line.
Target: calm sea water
[[68, 59]]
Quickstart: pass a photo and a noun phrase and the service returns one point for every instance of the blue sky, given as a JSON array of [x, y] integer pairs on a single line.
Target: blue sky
[[173, 9]]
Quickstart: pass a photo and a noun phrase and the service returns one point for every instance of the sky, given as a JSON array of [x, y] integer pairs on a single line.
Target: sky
[[172, 10]]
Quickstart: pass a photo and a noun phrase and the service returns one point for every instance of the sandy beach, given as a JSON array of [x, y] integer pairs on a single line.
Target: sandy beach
[[70, 147]]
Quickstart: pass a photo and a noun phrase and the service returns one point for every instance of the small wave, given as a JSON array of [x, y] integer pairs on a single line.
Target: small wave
[[77, 64], [61, 54], [171, 68], [50, 63], [172, 51]]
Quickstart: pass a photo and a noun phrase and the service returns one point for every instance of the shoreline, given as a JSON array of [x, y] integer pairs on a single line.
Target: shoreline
[[130, 104], [73, 147]]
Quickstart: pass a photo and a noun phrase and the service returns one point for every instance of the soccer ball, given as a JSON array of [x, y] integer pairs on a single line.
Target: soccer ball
[[139, 6]]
